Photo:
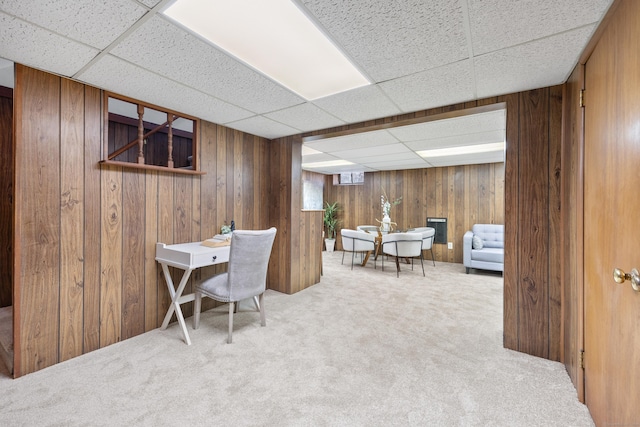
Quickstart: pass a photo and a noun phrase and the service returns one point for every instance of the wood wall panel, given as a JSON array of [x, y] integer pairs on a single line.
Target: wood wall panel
[[310, 265], [533, 210], [111, 256], [432, 192], [6, 197], [555, 222], [133, 246], [37, 231], [182, 216], [92, 226], [279, 214], [151, 268], [209, 190], [511, 289], [165, 235], [71, 218]]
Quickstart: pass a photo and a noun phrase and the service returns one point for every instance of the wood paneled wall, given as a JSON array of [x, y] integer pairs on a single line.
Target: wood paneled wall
[[6, 195], [532, 212], [533, 283], [465, 195], [86, 234], [296, 261], [310, 232]]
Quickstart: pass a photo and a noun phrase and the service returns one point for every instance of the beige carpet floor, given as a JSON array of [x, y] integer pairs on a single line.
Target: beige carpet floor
[[361, 348]]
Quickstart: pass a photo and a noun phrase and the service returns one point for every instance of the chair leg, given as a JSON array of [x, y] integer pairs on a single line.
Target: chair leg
[[353, 255], [231, 307], [263, 316], [422, 262], [432, 258], [255, 300], [343, 251], [397, 266], [196, 309]]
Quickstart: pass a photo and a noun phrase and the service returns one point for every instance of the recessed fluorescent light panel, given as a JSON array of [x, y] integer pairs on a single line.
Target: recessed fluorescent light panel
[[327, 164], [276, 38], [466, 149]]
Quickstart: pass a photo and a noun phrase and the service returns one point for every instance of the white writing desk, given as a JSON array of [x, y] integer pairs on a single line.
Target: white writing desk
[[187, 257]]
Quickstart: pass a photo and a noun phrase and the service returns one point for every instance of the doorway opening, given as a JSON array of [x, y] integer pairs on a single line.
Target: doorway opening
[[6, 213]]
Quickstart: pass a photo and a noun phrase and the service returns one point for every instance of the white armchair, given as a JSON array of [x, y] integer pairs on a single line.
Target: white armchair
[[402, 245], [428, 235], [357, 241]]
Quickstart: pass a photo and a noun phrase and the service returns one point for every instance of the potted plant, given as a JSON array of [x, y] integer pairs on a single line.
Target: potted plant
[[331, 223]]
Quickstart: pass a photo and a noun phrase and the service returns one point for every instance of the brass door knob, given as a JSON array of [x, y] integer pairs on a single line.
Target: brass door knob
[[634, 277]]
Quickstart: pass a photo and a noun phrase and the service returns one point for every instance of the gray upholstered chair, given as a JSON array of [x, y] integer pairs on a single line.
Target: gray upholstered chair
[[402, 245], [357, 241], [428, 235], [246, 275]]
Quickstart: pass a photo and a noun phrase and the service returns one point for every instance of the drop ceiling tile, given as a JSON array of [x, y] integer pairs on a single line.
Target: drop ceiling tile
[[359, 105], [379, 150], [398, 165], [121, 77], [458, 140], [33, 46], [466, 159], [322, 157], [171, 51], [473, 123], [262, 126], [389, 39], [149, 3], [541, 63], [409, 155], [305, 117], [95, 23], [355, 141], [496, 24], [446, 85]]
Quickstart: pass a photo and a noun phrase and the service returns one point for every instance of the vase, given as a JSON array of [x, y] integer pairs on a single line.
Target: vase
[[330, 244], [386, 223]]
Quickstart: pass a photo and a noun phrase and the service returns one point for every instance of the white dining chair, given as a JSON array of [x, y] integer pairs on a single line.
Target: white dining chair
[[402, 245]]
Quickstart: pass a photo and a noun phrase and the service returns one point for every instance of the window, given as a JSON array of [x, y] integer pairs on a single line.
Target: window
[[143, 136]]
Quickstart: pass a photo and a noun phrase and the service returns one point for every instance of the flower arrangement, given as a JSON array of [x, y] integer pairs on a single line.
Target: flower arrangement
[[386, 204], [228, 229]]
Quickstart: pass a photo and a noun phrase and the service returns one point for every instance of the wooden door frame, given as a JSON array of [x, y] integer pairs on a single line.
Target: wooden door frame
[[579, 380], [580, 303]]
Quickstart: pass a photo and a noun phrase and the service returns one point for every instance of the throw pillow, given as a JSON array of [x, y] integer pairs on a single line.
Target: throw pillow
[[476, 242]]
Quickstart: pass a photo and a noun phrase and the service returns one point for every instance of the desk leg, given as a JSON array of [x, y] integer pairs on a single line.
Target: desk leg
[[176, 295]]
